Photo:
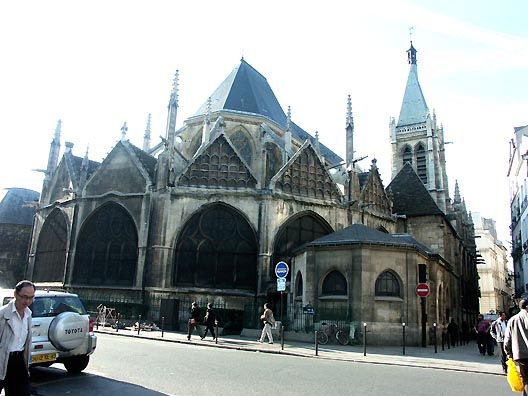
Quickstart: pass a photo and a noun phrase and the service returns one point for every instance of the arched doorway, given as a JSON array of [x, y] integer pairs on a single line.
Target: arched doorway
[[107, 248], [50, 257], [217, 248]]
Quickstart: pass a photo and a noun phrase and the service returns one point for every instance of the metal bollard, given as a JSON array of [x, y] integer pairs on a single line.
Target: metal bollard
[[403, 328], [364, 339], [434, 336], [316, 344], [139, 324], [216, 331], [162, 326], [282, 337], [443, 341]]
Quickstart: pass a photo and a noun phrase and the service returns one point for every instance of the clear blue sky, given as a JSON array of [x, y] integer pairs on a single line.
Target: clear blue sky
[[97, 64]]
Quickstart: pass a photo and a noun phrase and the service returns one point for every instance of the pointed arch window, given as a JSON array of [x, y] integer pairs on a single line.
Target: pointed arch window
[[217, 248], [299, 286], [273, 161], [421, 163], [334, 284], [107, 248], [407, 155], [296, 232], [242, 143], [388, 285], [50, 257]]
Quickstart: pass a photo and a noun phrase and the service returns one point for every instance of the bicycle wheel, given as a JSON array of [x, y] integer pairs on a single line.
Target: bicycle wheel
[[322, 338], [342, 337]]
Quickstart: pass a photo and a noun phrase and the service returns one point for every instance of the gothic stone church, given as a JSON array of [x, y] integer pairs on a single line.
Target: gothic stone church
[[207, 213]]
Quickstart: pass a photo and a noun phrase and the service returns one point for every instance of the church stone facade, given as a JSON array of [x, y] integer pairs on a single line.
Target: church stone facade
[[208, 212]]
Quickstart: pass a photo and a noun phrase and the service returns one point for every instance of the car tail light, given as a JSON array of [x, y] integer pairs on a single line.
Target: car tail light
[[91, 325]]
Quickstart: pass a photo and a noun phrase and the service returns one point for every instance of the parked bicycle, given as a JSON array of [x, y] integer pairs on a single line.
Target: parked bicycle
[[331, 331]]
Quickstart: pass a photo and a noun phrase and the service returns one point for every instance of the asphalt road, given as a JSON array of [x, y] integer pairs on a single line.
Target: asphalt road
[[125, 366]]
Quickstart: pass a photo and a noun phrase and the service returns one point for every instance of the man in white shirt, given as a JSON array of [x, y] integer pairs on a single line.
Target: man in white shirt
[[15, 339], [498, 331]]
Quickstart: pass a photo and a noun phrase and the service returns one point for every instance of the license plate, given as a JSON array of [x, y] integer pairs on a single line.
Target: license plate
[[45, 357]]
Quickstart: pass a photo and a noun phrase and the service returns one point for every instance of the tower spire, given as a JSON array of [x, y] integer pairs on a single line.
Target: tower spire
[[457, 193], [349, 134], [172, 110], [146, 137], [317, 145]]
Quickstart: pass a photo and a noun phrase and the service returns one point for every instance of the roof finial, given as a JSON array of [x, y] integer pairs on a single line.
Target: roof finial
[[174, 92], [317, 146], [84, 164], [58, 130], [288, 119], [208, 110], [124, 130], [349, 119], [173, 109], [411, 52], [146, 137], [457, 193]]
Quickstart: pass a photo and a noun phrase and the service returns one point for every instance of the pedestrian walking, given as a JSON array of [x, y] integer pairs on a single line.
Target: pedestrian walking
[[516, 341], [194, 320], [452, 331], [484, 340], [210, 321], [15, 340], [268, 320], [498, 331]]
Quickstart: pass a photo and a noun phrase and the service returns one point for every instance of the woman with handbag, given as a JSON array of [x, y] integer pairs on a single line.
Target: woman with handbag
[[194, 320]]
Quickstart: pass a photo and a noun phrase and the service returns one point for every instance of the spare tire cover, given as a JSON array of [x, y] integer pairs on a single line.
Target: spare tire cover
[[68, 330]]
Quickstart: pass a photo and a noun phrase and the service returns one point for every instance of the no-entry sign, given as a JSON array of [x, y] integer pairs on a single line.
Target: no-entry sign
[[423, 290]]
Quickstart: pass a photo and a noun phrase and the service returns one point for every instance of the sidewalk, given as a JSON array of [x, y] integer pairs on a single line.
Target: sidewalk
[[462, 358]]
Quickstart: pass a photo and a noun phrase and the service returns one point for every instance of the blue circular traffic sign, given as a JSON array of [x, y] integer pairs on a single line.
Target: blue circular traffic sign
[[281, 269]]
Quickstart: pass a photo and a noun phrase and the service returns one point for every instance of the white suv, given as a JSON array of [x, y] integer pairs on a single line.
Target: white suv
[[62, 330]]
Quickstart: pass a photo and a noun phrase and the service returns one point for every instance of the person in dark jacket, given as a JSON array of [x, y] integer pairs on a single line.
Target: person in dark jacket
[[194, 320], [452, 331], [210, 321]]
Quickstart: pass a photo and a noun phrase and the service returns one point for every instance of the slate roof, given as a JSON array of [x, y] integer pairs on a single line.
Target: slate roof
[[246, 90], [414, 108], [359, 234], [410, 197], [18, 206], [147, 160], [517, 129], [76, 163]]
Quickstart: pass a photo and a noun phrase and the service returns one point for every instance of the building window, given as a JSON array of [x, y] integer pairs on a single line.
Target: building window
[[334, 284], [421, 163], [50, 257], [218, 249], [107, 248], [299, 285], [295, 233], [241, 142], [407, 155], [387, 284]]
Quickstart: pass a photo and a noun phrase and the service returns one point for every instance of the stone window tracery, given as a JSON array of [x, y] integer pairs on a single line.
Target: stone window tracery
[[421, 163], [107, 249], [50, 258], [388, 285], [217, 248]]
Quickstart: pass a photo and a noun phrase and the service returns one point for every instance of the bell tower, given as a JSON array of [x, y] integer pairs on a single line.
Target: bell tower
[[416, 138]]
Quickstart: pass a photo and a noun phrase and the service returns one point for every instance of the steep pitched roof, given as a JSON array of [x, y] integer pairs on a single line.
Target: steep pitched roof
[[358, 234], [246, 90], [18, 206], [410, 197], [147, 161], [74, 164], [414, 108]]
